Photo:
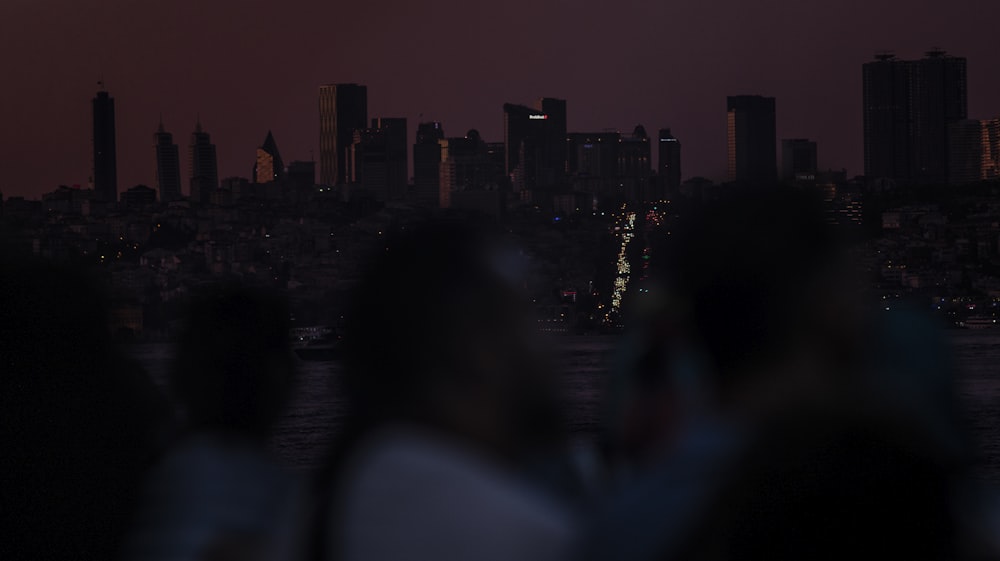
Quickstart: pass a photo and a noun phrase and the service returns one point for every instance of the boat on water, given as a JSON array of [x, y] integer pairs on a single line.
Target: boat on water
[[978, 322], [317, 342]]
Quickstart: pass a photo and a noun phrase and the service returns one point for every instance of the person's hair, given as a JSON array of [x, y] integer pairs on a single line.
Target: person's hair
[[233, 366], [80, 422], [426, 288], [742, 266]]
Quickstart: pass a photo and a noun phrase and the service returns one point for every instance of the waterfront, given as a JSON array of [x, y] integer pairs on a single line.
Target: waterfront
[[317, 410]]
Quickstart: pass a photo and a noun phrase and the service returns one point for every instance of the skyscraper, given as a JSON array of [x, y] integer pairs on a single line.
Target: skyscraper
[[535, 143], [427, 163], [343, 108], [105, 154], [887, 142], [669, 165], [553, 152], [908, 106], [798, 160], [635, 155], [204, 167], [377, 158], [168, 166], [974, 151], [751, 139], [268, 166], [939, 97]]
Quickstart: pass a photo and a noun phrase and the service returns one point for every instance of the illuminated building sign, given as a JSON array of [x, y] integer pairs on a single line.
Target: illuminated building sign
[[538, 116]]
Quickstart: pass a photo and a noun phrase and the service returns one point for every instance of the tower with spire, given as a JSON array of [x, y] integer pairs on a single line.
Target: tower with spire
[[204, 166], [268, 165], [168, 165]]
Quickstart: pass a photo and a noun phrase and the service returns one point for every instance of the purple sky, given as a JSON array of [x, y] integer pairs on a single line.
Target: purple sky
[[249, 65]]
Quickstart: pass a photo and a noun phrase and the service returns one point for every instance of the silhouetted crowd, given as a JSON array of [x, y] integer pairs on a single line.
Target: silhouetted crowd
[[757, 409]]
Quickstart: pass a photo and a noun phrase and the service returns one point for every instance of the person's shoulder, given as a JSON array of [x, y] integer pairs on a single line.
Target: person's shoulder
[[434, 496]]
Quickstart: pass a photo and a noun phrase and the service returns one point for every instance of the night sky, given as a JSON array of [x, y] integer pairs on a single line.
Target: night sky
[[249, 65]]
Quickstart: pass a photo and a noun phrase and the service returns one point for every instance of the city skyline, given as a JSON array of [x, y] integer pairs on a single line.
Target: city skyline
[[616, 69]]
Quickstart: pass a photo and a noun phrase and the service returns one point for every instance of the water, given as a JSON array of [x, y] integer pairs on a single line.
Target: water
[[304, 434], [977, 354]]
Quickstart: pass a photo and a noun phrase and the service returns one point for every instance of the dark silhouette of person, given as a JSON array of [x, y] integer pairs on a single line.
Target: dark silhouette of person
[[218, 493], [821, 430], [80, 422], [450, 404]]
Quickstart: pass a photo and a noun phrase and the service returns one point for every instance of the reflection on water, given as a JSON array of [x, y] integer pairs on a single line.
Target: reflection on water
[[317, 411]]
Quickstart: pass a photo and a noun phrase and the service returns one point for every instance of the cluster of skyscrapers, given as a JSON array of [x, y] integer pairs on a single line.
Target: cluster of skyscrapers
[[203, 176], [916, 132], [916, 126], [537, 155]]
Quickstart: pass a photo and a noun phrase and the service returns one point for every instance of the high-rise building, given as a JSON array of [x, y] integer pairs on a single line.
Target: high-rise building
[[168, 166], [535, 144], [593, 155], [886, 98], [377, 158], [908, 106], [798, 160], [635, 155], [105, 152], [669, 164], [204, 167], [427, 163], [268, 166], [751, 139], [469, 173], [939, 97], [343, 108], [553, 151], [974, 151]]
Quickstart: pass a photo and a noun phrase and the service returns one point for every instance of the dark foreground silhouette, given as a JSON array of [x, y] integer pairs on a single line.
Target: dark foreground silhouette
[[80, 423]]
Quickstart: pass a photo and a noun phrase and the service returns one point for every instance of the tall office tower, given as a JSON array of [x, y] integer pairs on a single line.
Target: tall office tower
[[427, 163], [553, 150], [397, 156], [533, 146], [268, 166], [593, 155], [204, 167], [751, 139], [377, 158], [168, 166], [466, 158], [886, 93], [669, 164], [798, 160], [495, 158], [634, 155], [343, 108], [939, 93], [974, 151], [907, 108], [105, 154], [468, 165]]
